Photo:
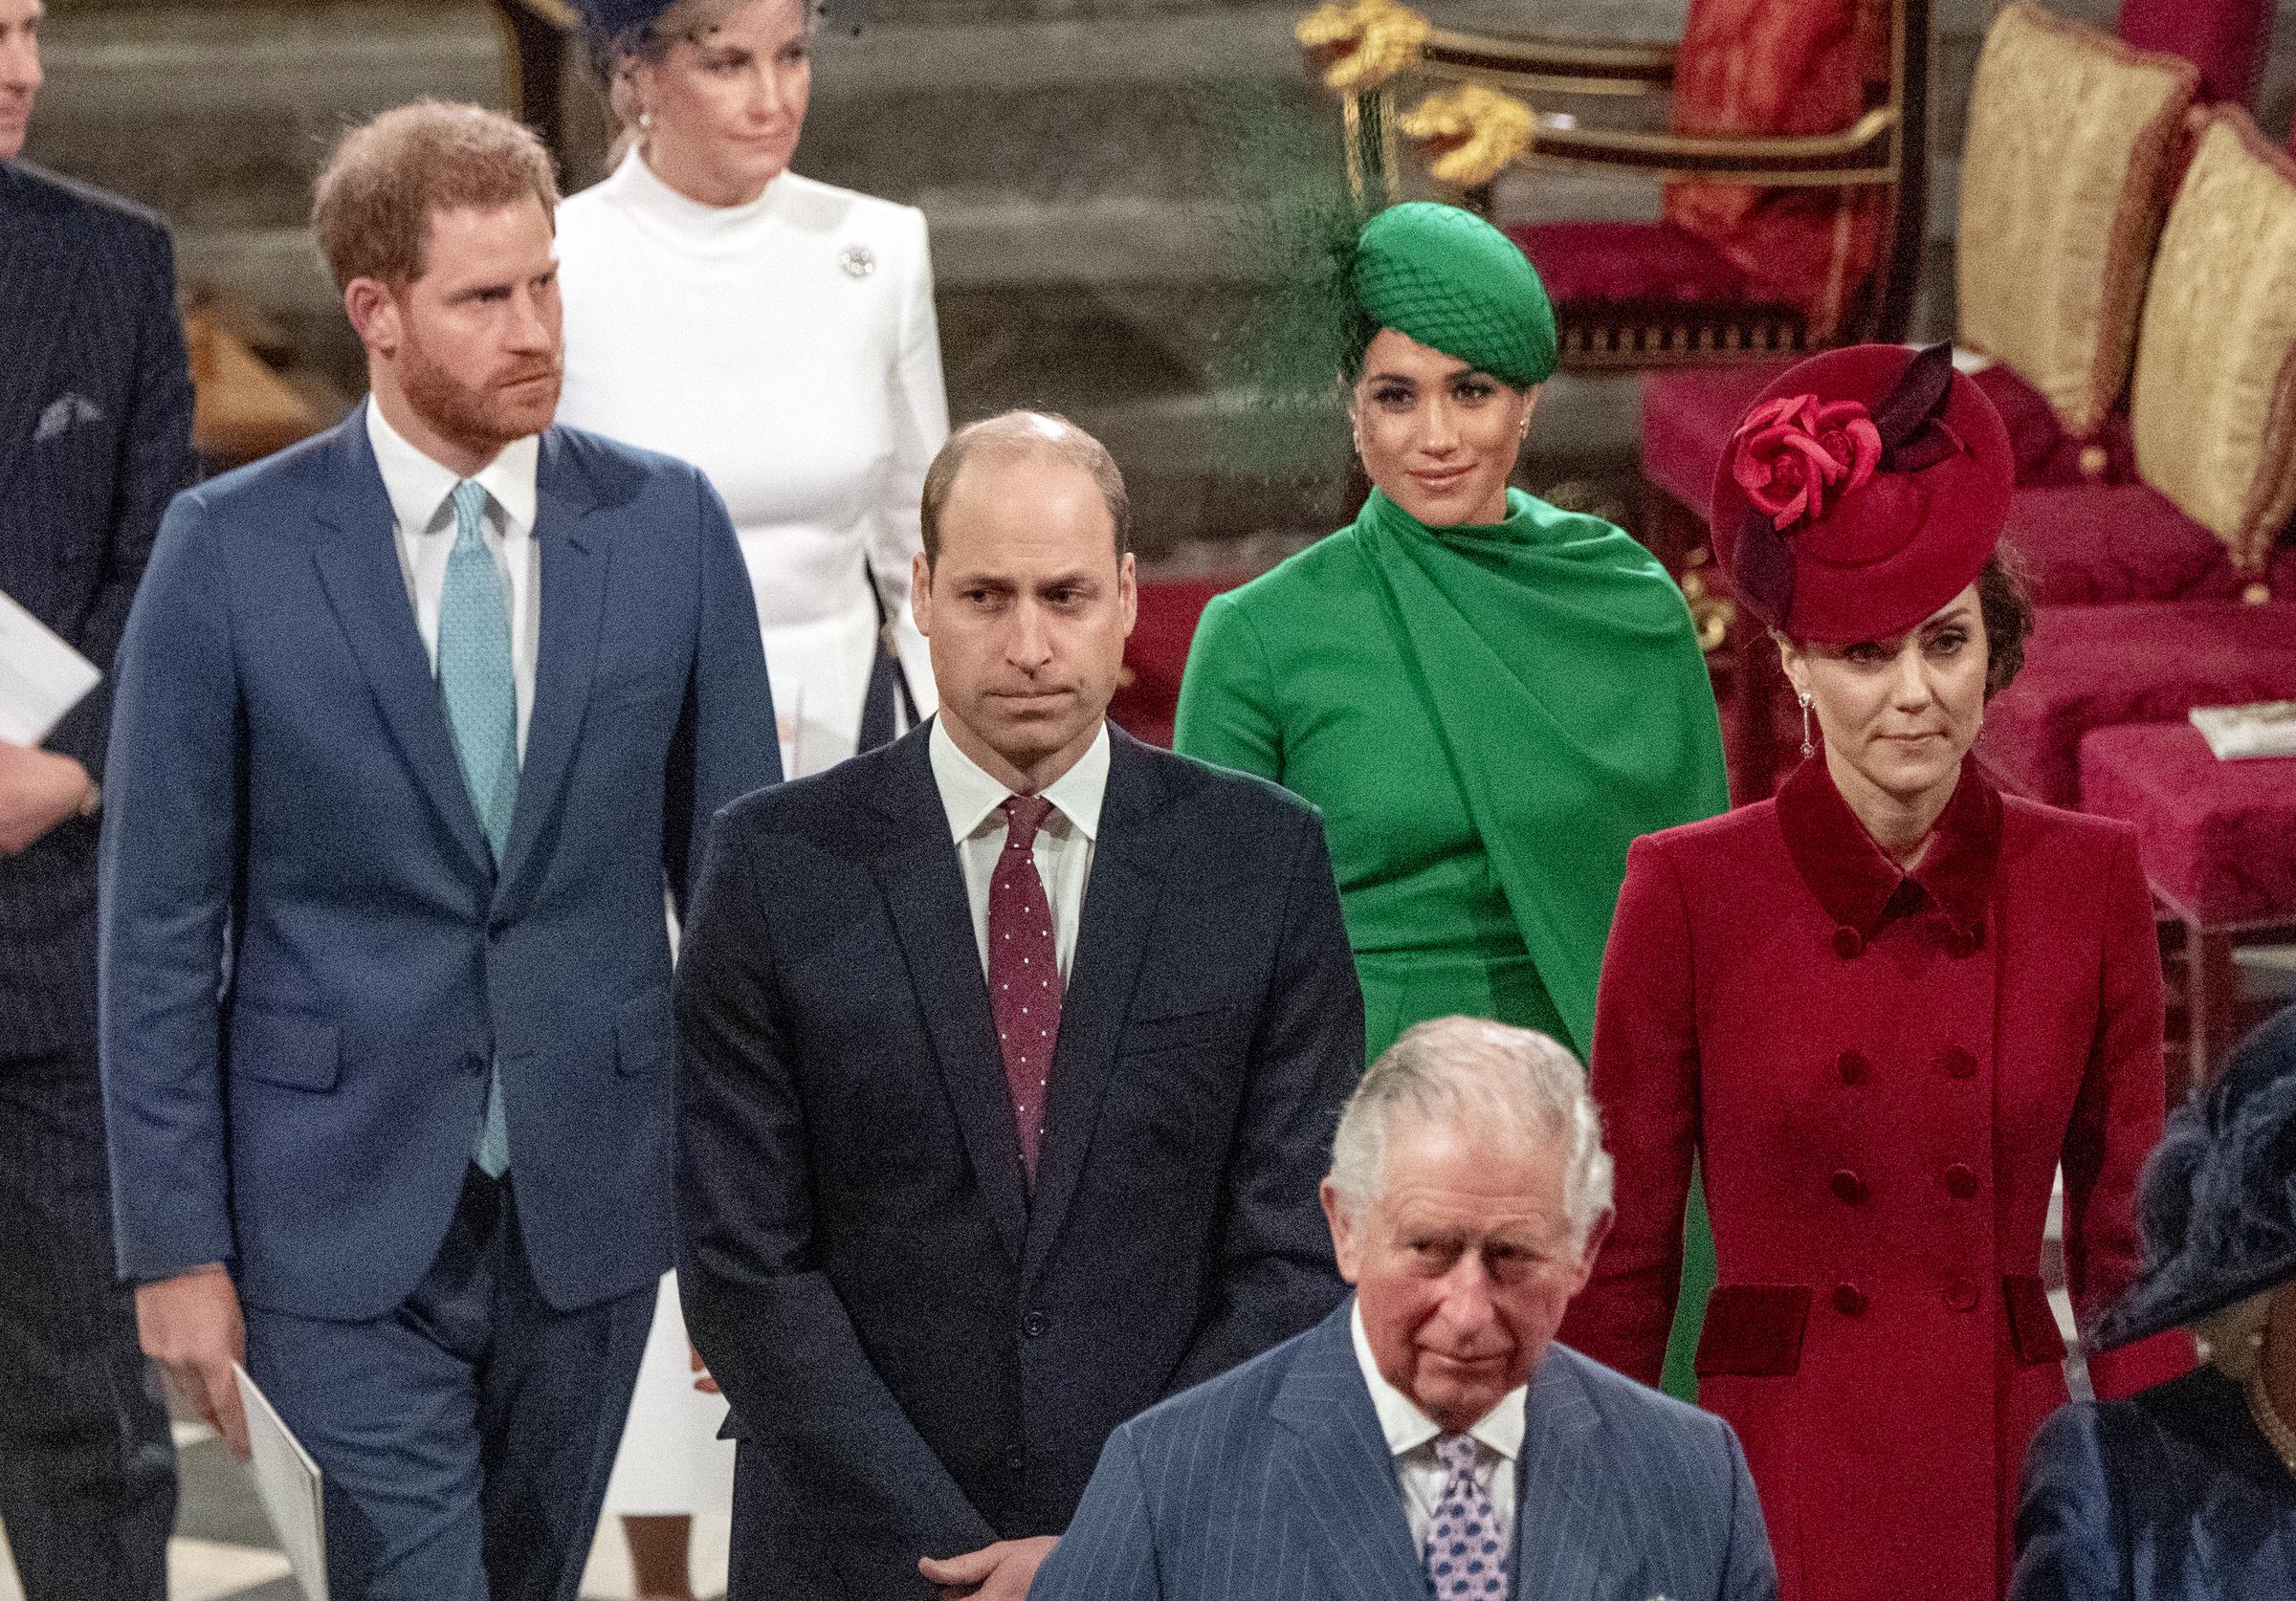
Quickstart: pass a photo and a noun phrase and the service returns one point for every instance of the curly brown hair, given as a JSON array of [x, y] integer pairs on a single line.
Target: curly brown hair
[[2006, 603]]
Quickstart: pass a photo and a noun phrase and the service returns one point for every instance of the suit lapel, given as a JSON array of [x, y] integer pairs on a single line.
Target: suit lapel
[[359, 566], [37, 271], [924, 886], [1341, 1475], [1567, 1534], [573, 561], [1111, 938]]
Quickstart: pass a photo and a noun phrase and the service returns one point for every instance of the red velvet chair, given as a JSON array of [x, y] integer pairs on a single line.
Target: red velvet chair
[[2226, 39]]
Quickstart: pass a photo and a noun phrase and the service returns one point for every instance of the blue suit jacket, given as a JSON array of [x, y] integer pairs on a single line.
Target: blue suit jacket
[[95, 439], [2170, 1495], [924, 1355], [1275, 1483], [308, 958]]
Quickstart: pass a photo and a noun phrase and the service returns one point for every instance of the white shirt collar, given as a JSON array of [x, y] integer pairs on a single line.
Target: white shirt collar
[[1407, 1428], [971, 796], [419, 486]]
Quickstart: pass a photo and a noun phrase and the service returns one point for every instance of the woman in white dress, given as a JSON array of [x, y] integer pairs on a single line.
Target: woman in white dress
[[774, 330], [779, 334]]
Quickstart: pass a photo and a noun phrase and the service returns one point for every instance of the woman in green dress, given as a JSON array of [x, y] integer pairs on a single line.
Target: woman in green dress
[[1487, 698]]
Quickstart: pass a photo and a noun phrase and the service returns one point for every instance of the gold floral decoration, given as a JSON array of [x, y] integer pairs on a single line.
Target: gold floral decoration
[[1360, 44], [1471, 133]]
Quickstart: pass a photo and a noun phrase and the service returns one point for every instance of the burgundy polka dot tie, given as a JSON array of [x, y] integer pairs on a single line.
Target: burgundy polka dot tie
[[1465, 1561], [1024, 970]]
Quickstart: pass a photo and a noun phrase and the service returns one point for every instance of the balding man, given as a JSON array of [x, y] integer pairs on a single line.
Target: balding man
[[1429, 1438], [1010, 1050]]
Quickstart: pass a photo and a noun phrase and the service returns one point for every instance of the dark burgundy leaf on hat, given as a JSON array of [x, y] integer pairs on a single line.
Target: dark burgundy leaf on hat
[[1917, 397], [1762, 565], [1929, 446]]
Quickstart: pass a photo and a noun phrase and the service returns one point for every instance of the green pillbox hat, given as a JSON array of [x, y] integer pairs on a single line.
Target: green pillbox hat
[[1450, 280]]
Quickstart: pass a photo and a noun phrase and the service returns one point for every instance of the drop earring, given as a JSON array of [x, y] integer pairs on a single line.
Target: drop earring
[[1807, 748]]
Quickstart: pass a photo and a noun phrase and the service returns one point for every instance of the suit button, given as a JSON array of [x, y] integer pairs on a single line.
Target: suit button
[[1852, 1066], [1959, 1295], [1849, 1186], [1035, 1324], [1847, 943], [1959, 1182], [1956, 1062], [1848, 1300], [474, 1063], [1016, 1459], [1961, 943]]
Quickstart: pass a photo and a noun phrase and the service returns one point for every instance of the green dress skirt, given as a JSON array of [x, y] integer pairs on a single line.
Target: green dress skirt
[[1486, 717]]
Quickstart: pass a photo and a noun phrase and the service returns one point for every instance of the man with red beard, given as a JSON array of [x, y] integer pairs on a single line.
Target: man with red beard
[[412, 721]]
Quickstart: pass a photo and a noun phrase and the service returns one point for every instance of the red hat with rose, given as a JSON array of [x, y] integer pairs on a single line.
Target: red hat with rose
[[1864, 489]]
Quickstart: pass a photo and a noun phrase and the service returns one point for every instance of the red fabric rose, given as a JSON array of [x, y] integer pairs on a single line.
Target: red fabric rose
[[1791, 453]]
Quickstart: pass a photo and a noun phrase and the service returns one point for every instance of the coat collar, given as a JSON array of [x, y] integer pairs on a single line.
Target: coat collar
[[1855, 880]]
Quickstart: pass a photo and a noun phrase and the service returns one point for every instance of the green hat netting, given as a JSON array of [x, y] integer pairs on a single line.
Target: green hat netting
[[1450, 280]]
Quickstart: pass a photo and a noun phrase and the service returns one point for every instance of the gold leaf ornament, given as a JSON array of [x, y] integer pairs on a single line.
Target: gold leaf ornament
[[1364, 44], [1471, 133]]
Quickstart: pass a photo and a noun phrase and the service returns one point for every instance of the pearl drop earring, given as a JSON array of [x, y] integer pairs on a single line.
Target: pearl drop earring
[[1808, 749]]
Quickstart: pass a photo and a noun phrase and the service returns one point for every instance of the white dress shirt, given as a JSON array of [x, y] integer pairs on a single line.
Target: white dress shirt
[[1411, 1435], [420, 504], [1064, 845]]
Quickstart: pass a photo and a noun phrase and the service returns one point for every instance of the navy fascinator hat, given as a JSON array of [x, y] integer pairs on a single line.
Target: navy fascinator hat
[[2218, 1208], [609, 20]]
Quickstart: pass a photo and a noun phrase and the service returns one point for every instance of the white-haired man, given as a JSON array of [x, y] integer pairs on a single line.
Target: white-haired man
[[1429, 1438]]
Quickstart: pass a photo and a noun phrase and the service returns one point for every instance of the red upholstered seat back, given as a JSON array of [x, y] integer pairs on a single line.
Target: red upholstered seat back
[[2226, 39], [1763, 67]]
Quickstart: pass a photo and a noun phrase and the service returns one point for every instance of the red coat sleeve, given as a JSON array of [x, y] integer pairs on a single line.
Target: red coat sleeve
[[1645, 1077], [2116, 1123]]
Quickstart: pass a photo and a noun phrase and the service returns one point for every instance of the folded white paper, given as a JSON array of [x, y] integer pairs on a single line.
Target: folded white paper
[[287, 1482], [2265, 728], [41, 677]]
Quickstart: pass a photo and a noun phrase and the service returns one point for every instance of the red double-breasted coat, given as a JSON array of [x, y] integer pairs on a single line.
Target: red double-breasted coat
[[1879, 1073]]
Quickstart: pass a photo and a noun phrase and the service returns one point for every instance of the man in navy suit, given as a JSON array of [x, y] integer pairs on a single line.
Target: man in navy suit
[[1010, 1050], [1429, 1440], [412, 720], [94, 438]]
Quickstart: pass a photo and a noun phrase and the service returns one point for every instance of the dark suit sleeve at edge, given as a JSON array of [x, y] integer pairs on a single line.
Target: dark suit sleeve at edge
[[725, 744], [173, 835], [155, 464], [1109, 1553], [1275, 1272], [764, 1315]]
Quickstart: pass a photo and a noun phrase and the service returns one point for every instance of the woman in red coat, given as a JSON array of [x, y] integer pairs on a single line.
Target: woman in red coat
[[1881, 1010]]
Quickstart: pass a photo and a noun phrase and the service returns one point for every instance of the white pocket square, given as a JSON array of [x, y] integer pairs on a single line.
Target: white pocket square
[[65, 411]]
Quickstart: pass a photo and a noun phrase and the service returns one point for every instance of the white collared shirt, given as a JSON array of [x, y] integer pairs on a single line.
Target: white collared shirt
[[419, 489], [1411, 1435], [1064, 845]]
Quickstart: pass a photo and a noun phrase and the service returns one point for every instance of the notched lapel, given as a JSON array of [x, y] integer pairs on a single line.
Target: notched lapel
[[925, 889], [1341, 1475], [1111, 940], [573, 557], [1569, 1539], [358, 567]]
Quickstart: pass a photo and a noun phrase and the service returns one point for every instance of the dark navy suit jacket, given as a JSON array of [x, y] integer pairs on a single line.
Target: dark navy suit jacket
[[2170, 1495], [95, 439], [308, 957], [1275, 1482], [923, 1356]]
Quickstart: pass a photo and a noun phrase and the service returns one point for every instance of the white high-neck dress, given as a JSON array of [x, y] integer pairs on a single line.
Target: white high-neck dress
[[787, 347]]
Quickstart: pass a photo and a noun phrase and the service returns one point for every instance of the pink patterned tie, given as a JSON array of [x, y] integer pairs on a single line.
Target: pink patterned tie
[[1466, 1560], [1024, 970]]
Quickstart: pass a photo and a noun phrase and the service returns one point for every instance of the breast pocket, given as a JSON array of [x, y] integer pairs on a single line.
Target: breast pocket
[[1205, 1029]]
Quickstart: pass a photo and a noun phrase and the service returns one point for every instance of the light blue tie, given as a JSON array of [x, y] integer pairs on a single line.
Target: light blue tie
[[482, 708]]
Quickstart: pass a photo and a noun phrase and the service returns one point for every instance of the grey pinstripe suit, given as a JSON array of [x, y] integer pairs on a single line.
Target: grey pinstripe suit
[[1273, 1482], [95, 439]]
